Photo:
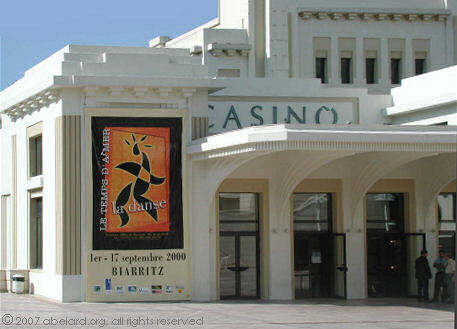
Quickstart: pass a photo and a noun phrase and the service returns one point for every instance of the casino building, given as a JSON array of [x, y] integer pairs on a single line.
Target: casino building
[[285, 150]]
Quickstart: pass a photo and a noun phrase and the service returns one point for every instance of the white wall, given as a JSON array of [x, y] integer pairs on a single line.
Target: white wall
[[427, 99], [45, 282], [47, 116], [232, 36], [360, 30], [234, 14]]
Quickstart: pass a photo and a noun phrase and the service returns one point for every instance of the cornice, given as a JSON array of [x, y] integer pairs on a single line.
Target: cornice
[[53, 95], [328, 146], [129, 72], [96, 91], [33, 103], [365, 14], [330, 138], [229, 49]]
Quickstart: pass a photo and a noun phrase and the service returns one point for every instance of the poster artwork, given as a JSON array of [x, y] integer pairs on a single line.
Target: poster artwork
[[137, 183]]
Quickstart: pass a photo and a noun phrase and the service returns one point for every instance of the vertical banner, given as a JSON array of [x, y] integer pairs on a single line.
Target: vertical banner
[[137, 250]]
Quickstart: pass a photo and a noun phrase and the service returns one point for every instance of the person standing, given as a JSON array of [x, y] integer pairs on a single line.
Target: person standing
[[440, 277], [450, 279], [423, 274]]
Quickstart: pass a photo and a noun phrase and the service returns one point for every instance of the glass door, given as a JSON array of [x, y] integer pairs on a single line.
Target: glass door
[[387, 256], [227, 278], [319, 255], [239, 246], [320, 265], [415, 243], [339, 265], [386, 265]]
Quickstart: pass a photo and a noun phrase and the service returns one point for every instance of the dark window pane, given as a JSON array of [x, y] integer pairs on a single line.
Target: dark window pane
[[371, 70], [395, 74], [36, 156], [420, 66], [248, 258], [447, 242], [346, 70], [312, 212], [321, 69], [446, 207], [238, 207], [227, 260], [447, 222], [36, 233], [385, 212]]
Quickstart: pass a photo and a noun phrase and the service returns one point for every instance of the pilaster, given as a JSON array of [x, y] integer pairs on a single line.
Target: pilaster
[[408, 66], [280, 253], [360, 65], [384, 58], [334, 78]]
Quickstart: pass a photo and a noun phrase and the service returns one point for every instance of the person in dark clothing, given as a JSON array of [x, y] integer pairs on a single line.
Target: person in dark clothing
[[423, 274]]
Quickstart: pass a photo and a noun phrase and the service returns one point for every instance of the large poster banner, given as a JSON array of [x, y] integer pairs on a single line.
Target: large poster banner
[[137, 232], [137, 183]]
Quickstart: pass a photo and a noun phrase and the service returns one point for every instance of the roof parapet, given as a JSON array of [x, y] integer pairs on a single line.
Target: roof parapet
[[159, 42]]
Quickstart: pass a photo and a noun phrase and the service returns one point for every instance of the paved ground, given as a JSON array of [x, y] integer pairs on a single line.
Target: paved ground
[[33, 312]]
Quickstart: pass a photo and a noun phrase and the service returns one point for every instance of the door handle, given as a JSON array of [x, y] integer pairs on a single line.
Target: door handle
[[342, 268]]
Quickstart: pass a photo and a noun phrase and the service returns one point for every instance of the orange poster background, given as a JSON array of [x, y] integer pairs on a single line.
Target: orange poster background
[[159, 160]]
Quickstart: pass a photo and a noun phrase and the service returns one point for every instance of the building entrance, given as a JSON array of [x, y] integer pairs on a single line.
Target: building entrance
[[239, 246], [319, 255], [391, 253]]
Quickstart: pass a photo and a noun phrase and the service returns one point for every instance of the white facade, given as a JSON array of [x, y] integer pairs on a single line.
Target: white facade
[[257, 118], [428, 99]]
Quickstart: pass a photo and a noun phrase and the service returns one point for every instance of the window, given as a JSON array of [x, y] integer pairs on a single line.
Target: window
[[395, 71], [346, 70], [313, 212], [385, 212], [36, 233], [238, 211], [419, 64], [447, 222], [321, 51], [421, 49], [4, 216], [36, 156], [370, 69], [35, 149], [372, 49], [321, 69]]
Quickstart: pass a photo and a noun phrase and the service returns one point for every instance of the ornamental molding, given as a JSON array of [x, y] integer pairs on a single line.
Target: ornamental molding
[[367, 15], [136, 92], [331, 146], [33, 103], [50, 96], [229, 49]]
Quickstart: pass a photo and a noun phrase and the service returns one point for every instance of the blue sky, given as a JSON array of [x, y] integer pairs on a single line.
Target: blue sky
[[30, 31]]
